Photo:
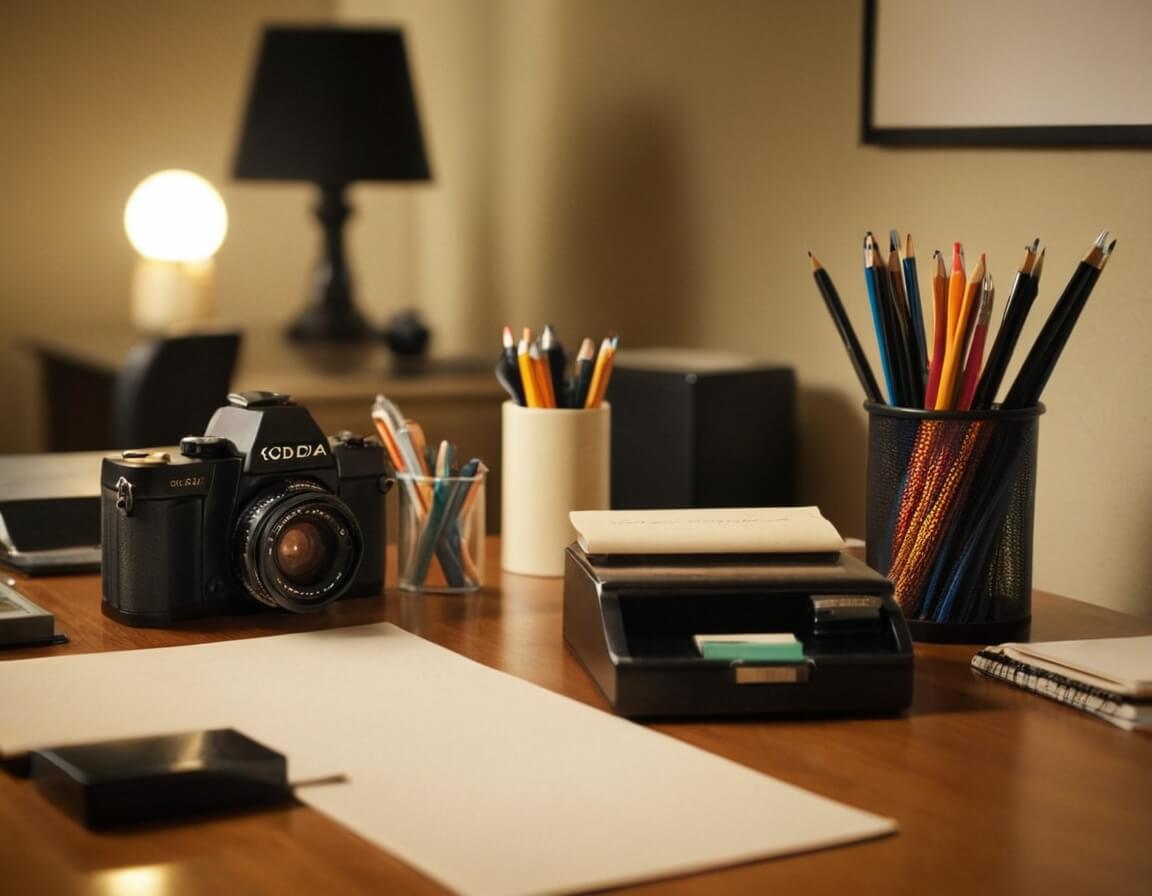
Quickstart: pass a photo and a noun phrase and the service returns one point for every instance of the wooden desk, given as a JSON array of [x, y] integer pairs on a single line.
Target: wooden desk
[[995, 790], [458, 400]]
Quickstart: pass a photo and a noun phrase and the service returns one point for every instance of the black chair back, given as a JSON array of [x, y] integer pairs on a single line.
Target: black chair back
[[169, 388]]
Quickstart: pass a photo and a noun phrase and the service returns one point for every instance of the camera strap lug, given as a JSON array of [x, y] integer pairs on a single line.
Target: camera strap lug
[[124, 498]]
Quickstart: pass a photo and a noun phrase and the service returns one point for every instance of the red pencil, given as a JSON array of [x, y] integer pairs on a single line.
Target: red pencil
[[976, 351]]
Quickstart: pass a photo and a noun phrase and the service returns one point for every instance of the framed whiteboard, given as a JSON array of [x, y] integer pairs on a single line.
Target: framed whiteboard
[[997, 73]]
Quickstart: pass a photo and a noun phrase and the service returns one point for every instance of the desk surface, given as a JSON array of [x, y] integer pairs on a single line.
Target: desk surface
[[995, 790]]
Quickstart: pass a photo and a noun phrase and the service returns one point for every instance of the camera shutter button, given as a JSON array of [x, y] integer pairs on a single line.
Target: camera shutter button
[[205, 447]]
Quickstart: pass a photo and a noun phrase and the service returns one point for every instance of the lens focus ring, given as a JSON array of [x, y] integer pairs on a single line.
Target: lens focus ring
[[298, 546]]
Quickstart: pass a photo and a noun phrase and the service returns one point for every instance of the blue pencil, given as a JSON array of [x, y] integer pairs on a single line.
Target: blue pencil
[[878, 319], [915, 310]]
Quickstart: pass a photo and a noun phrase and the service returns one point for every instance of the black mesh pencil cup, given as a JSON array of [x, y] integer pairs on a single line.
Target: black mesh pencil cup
[[950, 505]]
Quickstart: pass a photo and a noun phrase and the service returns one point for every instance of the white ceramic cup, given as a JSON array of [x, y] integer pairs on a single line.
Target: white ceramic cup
[[554, 461]]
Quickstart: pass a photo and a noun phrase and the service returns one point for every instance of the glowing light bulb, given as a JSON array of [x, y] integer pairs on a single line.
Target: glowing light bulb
[[176, 221], [175, 216]]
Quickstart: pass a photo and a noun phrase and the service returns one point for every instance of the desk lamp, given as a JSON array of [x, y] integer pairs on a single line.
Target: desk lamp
[[332, 105], [176, 221]]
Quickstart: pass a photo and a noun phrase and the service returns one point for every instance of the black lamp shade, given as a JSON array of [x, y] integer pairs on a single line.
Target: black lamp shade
[[332, 105]]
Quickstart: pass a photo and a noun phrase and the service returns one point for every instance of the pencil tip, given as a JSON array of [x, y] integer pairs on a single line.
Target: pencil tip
[[1102, 239]]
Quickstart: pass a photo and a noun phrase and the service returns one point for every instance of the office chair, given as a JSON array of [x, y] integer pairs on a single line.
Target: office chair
[[169, 388]]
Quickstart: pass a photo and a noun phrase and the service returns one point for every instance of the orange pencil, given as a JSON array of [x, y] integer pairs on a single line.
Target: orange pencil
[[954, 351], [543, 376], [939, 329], [600, 373]]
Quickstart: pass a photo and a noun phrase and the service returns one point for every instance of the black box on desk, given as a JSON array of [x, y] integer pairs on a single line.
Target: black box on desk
[[631, 621], [698, 429]]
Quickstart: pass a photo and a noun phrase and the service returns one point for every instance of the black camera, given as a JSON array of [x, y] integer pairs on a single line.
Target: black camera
[[261, 509]]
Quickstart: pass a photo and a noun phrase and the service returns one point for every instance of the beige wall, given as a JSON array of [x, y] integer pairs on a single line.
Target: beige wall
[[659, 167]]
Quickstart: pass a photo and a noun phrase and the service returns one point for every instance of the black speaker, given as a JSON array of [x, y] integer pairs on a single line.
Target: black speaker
[[694, 429]]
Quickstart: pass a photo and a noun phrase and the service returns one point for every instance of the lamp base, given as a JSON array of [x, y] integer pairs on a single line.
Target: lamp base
[[321, 323]]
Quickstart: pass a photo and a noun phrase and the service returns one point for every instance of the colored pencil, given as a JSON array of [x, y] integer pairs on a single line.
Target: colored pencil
[[961, 328], [939, 329], [871, 281], [915, 308], [976, 351]]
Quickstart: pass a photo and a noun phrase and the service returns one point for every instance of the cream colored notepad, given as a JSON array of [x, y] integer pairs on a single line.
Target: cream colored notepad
[[485, 782], [731, 530], [1120, 665]]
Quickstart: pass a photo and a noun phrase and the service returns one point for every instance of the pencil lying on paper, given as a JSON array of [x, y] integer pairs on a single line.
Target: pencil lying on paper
[[847, 334]]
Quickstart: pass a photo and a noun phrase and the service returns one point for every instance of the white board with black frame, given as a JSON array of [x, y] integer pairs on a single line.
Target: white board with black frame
[[995, 73]]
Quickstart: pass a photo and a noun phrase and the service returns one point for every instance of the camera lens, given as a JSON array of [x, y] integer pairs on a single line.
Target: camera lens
[[299, 546], [303, 551]]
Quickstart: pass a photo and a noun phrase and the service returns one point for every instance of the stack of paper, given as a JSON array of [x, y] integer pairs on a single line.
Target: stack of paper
[[729, 530]]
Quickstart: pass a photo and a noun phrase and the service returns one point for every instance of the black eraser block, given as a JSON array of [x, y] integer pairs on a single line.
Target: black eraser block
[[144, 779]]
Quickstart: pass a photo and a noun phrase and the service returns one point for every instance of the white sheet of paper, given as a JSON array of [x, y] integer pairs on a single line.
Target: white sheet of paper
[[485, 782]]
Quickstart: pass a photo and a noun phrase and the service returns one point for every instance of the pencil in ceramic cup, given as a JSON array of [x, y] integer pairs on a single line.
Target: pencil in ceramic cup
[[508, 368]]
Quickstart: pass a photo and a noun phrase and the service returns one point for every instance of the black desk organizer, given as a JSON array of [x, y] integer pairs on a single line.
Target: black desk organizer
[[631, 621]]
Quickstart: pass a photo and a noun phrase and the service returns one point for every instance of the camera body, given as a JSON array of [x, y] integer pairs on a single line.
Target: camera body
[[261, 509]]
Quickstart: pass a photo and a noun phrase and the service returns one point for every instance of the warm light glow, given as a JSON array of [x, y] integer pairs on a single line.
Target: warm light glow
[[141, 880], [175, 216]]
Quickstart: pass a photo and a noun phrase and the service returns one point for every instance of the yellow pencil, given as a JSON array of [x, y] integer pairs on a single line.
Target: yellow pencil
[[527, 373], [601, 373], [543, 377]]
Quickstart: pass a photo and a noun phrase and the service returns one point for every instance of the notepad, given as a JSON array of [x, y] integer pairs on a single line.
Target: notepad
[[730, 530], [485, 782], [1110, 678]]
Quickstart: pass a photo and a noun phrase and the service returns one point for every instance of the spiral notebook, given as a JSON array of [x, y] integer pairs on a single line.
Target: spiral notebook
[[1110, 678]]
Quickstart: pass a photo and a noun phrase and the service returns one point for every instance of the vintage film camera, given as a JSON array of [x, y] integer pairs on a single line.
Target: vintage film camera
[[261, 509]]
